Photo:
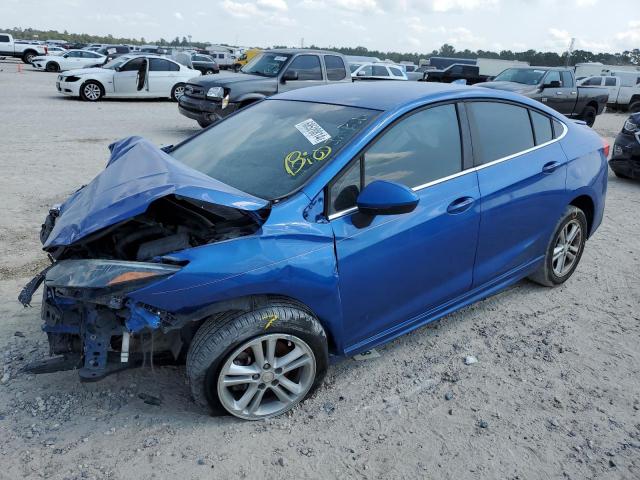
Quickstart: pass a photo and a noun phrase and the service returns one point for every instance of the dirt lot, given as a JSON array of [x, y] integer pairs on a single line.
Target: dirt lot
[[555, 393]]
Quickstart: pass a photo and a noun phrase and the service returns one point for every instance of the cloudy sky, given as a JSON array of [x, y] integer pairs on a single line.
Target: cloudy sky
[[399, 25]]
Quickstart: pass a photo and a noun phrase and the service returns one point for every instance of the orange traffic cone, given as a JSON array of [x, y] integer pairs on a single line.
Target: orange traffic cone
[[19, 68]]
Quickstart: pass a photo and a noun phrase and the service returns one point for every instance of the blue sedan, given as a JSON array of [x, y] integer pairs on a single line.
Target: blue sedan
[[313, 225]]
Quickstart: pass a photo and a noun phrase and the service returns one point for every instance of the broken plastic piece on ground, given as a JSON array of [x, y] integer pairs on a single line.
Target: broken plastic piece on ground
[[367, 355], [150, 399]]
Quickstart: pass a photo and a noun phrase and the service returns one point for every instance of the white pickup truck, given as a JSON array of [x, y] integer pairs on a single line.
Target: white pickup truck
[[26, 51], [624, 90]]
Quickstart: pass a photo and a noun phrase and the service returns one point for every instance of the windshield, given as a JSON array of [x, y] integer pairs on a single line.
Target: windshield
[[354, 66], [272, 148], [116, 62], [526, 76], [266, 64]]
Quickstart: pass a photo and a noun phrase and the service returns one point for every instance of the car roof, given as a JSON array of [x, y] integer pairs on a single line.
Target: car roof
[[391, 95], [302, 50]]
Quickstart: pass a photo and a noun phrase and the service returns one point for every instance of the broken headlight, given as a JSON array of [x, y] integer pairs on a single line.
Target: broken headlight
[[215, 92], [104, 273], [631, 127]]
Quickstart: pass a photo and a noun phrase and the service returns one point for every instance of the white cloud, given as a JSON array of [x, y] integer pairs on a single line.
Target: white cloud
[[461, 5], [586, 3], [279, 5], [178, 15]]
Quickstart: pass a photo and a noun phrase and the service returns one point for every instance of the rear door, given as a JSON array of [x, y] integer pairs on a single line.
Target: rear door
[[162, 76], [309, 73], [335, 68], [393, 269], [522, 176], [6, 46]]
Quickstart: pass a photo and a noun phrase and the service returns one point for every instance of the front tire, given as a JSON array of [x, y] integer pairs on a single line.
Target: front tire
[[91, 91], [257, 364], [177, 91], [564, 250], [634, 107], [209, 71], [52, 67], [589, 115]]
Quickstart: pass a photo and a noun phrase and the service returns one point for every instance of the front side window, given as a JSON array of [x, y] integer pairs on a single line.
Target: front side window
[[274, 147], [307, 66], [419, 149], [380, 71], [553, 76], [498, 130], [135, 64], [335, 68], [74, 54]]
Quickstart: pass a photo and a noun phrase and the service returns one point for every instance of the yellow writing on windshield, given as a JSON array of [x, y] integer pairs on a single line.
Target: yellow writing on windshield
[[297, 160]]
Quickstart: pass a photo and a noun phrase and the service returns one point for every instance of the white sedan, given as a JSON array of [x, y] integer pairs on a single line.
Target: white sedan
[[71, 60], [128, 76]]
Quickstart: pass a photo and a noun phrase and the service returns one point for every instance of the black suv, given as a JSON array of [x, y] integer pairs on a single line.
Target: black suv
[[625, 161]]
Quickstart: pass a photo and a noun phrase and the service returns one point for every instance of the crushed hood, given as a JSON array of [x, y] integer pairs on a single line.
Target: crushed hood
[[230, 79], [138, 173]]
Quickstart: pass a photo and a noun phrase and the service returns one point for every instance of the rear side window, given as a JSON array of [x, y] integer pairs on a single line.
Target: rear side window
[[567, 79], [593, 81], [418, 149], [541, 127], [335, 67], [396, 71], [4, 38], [307, 66], [611, 82], [380, 71], [162, 65], [498, 130]]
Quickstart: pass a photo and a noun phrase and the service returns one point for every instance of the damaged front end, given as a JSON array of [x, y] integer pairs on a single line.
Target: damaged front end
[[116, 235]]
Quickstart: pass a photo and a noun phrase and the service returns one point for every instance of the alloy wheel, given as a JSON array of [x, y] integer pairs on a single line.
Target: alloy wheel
[[92, 91], [178, 91], [567, 248], [266, 376]]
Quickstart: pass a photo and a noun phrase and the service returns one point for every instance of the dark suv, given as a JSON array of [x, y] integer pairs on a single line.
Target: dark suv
[[208, 99], [625, 161]]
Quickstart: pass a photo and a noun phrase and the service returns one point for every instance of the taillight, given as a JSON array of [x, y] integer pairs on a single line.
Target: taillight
[[606, 147]]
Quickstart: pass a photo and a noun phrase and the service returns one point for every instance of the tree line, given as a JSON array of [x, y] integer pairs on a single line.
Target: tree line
[[627, 57]]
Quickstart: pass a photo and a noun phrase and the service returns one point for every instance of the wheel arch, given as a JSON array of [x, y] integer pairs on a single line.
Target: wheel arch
[[192, 322], [95, 80], [587, 205]]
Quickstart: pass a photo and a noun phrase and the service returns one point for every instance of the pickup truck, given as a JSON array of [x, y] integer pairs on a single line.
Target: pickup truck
[[556, 88], [457, 71], [26, 51], [623, 95], [207, 99]]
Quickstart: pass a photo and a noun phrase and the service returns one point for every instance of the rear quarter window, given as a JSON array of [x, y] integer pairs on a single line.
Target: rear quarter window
[[4, 38], [542, 127], [498, 130]]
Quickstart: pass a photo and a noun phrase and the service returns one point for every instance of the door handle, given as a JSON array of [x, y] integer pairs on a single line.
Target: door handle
[[559, 93], [460, 205], [550, 167]]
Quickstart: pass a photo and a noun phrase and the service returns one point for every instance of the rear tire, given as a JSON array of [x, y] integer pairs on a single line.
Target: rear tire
[[52, 67], [634, 107], [589, 115], [91, 91], [209, 71], [224, 342], [566, 245], [28, 56], [177, 91]]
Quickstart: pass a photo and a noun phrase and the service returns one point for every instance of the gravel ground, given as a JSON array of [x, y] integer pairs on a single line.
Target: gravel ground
[[555, 392]]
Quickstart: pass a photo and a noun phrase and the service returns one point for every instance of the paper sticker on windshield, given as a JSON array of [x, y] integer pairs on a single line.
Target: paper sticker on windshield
[[111, 51], [280, 59], [312, 131]]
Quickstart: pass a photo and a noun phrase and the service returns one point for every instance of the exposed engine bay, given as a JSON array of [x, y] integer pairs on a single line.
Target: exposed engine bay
[[115, 236]]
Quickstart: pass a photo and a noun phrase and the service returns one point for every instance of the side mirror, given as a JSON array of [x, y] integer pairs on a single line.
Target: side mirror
[[552, 84], [289, 75], [386, 198], [361, 73], [117, 69]]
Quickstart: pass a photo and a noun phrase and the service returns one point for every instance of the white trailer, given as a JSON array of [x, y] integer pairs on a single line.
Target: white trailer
[[493, 66]]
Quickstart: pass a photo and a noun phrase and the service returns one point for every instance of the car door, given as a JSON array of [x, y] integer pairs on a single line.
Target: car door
[[90, 59], [557, 97], [309, 73], [71, 60], [162, 76], [394, 269], [522, 176], [613, 88], [131, 78]]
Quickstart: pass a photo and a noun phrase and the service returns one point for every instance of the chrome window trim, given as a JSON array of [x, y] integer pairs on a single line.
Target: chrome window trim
[[350, 210]]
